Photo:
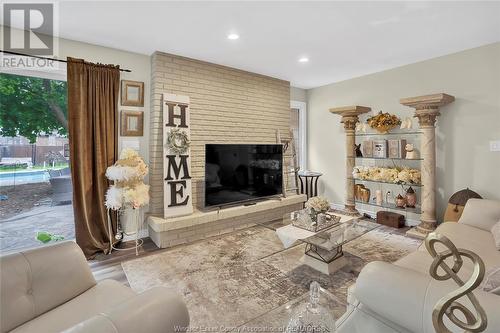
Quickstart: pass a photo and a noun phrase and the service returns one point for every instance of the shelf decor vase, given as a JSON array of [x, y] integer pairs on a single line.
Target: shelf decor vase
[[365, 194], [357, 191], [378, 197]]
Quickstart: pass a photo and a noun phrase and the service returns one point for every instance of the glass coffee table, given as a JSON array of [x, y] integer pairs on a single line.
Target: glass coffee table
[[323, 250]]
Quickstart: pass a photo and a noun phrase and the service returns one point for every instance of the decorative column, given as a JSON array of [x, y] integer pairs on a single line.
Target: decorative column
[[349, 119], [427, 110]]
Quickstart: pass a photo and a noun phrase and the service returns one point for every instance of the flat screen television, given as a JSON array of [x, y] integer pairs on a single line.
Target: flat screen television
[[237, 173]]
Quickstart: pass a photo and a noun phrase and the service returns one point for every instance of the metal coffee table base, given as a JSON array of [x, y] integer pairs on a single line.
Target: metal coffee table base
[[326, 262]]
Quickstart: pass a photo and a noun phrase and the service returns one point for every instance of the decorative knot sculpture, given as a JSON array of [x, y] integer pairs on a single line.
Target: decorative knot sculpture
[[448, 305]]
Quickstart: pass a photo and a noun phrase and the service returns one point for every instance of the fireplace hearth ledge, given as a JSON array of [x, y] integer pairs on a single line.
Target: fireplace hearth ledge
[[167, 232]]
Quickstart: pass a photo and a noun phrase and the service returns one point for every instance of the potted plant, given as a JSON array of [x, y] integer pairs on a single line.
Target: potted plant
[[128, 194]]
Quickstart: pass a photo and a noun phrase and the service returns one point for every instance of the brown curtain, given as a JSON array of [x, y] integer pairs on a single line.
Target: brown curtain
[[93, 138]]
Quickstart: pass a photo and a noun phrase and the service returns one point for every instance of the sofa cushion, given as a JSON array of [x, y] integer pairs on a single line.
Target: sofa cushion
[[28, 280], [470, 238], [481, 213], [94, 301]]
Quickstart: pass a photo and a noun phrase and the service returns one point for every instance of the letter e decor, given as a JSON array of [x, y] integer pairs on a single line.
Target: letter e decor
[[176, 156]]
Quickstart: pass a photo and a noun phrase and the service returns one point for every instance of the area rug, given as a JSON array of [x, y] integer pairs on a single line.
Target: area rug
[[234, 278]]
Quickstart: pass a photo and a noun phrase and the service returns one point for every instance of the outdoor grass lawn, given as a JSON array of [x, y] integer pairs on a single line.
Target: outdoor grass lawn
[[57, 166]]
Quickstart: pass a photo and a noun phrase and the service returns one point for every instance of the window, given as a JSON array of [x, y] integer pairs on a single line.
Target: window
[[299, 128], [35, 181]]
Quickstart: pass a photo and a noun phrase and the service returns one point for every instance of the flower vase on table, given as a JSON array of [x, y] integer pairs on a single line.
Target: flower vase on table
[[315, 216], [317, 207]]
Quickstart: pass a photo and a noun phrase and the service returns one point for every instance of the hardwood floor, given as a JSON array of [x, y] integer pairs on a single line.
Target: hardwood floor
[[109, 266], [111, 271]]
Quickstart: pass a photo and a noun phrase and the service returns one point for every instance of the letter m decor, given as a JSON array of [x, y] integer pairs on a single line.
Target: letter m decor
[[177, 191]]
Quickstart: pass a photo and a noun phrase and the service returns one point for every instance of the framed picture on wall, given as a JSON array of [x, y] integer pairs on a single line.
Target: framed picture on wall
[[132, 93], [132, 123]]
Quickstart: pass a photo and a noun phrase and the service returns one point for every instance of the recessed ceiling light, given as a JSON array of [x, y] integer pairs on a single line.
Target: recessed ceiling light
[[304, 59], [233, 36]]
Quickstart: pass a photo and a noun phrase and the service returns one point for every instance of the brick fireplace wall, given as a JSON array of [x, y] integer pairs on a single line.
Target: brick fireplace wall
[[227, 106]]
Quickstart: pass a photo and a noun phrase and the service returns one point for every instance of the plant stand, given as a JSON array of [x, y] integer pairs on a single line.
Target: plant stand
[[137, 228]]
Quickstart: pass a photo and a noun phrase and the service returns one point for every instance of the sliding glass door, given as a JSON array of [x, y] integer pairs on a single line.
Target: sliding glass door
[[35, 179]]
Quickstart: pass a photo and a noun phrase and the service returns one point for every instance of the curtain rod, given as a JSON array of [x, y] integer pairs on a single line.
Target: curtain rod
[[53, 59]]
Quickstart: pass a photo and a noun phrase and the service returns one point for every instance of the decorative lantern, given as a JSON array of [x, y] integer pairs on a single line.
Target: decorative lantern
[[400, 201], [456, 204], [411, 198]]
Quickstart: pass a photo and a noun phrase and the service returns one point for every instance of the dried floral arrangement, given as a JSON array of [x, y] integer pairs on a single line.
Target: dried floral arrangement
[[319, 204], [128, 190], [383, 122], [395, 175]]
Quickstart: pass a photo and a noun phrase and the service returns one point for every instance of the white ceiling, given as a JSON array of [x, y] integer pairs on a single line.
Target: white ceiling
[[341, 39]]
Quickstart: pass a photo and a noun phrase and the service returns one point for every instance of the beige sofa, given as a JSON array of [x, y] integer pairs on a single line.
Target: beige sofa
[[51, 289], [400, 297]]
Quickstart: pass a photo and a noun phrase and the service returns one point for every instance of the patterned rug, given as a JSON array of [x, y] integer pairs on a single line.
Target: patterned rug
[[234, 278]]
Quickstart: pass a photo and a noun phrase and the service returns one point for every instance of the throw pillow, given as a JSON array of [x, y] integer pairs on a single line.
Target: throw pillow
[[491, 282], [496, 234]]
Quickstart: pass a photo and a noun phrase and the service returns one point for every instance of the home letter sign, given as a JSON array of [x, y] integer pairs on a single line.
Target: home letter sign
[[176, 156]]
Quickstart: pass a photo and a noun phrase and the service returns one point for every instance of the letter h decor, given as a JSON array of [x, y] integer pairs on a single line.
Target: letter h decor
[[177, 191]]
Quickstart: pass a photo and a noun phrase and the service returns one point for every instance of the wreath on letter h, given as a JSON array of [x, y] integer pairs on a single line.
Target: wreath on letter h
[[177, 141]]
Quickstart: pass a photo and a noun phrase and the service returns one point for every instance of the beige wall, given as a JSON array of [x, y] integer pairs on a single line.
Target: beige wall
[[227, 106], [139, 64], [298, 94], [464, 128]]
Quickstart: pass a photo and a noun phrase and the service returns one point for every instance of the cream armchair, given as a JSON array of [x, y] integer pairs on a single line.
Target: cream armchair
[[400, 297], [52, 289]]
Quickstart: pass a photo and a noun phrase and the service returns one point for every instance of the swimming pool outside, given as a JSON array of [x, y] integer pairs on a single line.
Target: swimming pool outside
[[23, 177]]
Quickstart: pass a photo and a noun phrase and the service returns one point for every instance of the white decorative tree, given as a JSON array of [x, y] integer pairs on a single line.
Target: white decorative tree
[[128, 194]]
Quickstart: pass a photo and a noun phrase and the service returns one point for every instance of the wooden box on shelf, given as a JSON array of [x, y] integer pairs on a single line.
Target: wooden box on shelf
[[390, 219]]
